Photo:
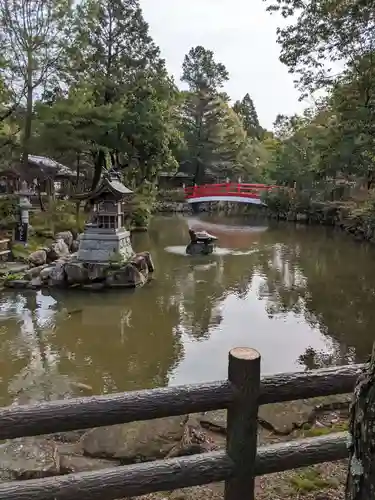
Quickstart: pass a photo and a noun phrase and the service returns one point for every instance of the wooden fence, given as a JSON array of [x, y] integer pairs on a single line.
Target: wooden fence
[[238, 465]]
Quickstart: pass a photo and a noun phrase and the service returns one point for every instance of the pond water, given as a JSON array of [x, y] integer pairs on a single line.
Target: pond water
[[303, 296]]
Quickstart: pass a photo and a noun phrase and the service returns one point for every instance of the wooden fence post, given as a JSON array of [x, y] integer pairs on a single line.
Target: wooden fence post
[[360, 484], [242, 425]]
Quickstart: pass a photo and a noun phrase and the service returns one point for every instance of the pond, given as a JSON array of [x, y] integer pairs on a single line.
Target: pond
[[303, 296]]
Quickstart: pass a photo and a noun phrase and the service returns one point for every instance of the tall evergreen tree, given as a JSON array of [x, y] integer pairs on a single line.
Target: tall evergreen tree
[[247, 112], [213, 135], [115, 54], [31, 37], [201, 72]]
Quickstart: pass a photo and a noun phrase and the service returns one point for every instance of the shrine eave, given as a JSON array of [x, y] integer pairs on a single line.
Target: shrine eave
[[111, 186]]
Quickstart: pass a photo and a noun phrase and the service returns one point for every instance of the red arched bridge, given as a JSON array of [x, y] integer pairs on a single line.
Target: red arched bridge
[[230, 191]]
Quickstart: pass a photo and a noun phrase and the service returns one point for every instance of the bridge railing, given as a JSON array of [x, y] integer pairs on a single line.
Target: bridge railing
[[229, 188], [238, 465]]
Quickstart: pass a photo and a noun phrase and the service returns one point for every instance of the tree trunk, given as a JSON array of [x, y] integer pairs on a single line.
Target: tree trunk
[[29, 112], [98, 168], [361, 473]]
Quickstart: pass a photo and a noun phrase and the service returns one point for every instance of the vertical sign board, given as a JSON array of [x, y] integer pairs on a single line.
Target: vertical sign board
[[21, 232], [22, 227]]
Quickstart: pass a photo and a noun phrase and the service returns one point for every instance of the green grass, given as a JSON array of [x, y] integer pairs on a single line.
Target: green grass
[[323, 431], [311, 480]]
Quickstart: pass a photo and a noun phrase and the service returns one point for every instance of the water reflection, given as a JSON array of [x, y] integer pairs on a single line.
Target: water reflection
[[303, 296]]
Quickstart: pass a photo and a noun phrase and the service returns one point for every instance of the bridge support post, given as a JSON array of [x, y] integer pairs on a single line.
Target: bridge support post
[[242, 425]]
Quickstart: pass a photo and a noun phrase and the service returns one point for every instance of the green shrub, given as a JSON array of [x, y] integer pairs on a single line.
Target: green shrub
[[278, 200], [59, 216], [143, 202], [8, 211]]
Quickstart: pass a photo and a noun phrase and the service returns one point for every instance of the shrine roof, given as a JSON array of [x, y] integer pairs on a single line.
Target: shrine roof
[[109, 183]]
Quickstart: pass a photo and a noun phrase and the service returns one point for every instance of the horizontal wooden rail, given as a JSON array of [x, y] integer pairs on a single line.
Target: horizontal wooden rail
[[163, 475], [83, 413]]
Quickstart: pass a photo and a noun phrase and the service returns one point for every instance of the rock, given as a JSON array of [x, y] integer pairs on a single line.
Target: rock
[[96, 271], [34, 272], [135, 441], [140, 263], [94, 287], [74, 246], [76, 272], [38, 258], [17, 284], [36, 282], [57, 250], [200, 248], [45, 273], [68, 437], [76, 463], [57, 275], [149, 261], [29, 458], [66, 236], [127, 277]]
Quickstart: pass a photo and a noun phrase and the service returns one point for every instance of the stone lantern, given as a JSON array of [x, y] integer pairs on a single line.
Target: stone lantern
[[24, 205], [104, 237]]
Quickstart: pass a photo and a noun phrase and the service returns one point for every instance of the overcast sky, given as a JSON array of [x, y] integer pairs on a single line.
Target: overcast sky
[[243, 37]]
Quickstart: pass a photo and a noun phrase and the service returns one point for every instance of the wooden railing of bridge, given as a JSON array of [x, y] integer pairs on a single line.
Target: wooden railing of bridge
[[238, 465], [228, 189]]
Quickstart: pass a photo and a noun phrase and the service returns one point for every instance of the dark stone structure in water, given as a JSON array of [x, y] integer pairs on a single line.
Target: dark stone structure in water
[[201, 243]]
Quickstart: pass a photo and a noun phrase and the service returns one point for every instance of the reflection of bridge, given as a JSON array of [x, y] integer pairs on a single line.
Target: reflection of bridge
[[230, 191]]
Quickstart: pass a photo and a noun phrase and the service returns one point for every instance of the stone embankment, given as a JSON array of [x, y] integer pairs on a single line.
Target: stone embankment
[[57, 266]]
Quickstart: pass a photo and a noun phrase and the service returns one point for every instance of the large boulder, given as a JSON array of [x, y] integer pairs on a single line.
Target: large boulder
[[96, 271], [34, 272], [45, 273], [127, 277], [38, 258], [76, 272], [76, 463], [74, 246], [139, 261], [149, 261], [58, 250], [135, 441], [66, 236], [57, 276], [200, 248], [28, 458]]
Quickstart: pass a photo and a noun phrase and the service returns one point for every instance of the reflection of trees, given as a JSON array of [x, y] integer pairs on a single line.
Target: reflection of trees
[[337, 355], [328, 279], [121, 341], [29, 365]]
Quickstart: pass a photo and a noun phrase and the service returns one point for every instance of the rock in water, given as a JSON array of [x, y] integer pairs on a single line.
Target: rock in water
[[201, 243], [200, 248], [127, 277], [29, 458], [57, 275], [76, 272]]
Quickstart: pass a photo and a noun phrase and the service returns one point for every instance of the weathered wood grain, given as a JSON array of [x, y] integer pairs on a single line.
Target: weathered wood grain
[[162, 475], [97, 411], [242, 424]]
